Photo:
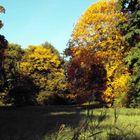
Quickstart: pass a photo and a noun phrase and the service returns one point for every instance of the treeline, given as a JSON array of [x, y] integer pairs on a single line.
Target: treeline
[[103, 65], [32, 75]]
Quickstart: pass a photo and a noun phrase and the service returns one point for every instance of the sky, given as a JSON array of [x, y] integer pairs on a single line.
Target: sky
[[32, 22]]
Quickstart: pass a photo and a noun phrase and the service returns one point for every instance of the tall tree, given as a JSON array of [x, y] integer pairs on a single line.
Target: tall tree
[[131, 27], [3, 45], [19, 89], [131, 32], [13, 56], [97, 32]]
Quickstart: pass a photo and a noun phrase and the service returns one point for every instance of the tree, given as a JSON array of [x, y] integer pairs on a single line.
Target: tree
[[22, 92], [131, 32], [3, 46], [13, 56], [44, 68], [18, 89], [131, 27], [97, 32], [85, 78], [2, 10]]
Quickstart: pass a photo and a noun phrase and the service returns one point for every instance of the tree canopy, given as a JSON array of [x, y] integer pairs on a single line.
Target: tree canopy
[[131, 32], [42, 65], [97, 31]]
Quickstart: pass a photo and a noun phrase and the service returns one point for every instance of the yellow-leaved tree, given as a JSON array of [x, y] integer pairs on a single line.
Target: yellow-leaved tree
[[44, 67], [97, 31]]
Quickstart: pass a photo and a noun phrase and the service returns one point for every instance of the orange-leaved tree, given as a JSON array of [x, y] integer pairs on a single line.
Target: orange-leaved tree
[[97, 31]]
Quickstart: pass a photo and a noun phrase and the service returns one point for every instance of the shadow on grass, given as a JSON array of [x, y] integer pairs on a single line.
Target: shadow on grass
[[33, 123]]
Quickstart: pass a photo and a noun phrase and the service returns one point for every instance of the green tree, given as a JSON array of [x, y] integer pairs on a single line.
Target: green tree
[[131, 27], [131, 32], [19, 89], [13, 55], [3, 46], [48, 45]]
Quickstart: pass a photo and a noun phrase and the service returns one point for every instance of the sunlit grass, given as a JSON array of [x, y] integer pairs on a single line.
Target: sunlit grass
[[127, 125]]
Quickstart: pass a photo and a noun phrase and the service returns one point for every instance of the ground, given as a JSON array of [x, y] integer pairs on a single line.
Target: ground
[[64, 122]]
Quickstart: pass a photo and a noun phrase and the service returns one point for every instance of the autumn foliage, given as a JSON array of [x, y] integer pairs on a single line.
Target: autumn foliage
[[45, 69], [85, 75], [97, 33], [103, 61]]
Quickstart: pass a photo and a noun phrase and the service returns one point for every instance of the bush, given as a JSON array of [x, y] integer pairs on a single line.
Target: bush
[[47, 98], [23, 92]]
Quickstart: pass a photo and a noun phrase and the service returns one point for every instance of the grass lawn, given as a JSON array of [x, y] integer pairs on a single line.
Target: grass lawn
[[69, 122]]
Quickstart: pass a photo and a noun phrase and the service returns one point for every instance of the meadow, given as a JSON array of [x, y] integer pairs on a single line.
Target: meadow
[[69, 123]]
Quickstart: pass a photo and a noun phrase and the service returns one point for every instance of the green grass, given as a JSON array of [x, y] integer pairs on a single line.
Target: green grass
[[65, 122]]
